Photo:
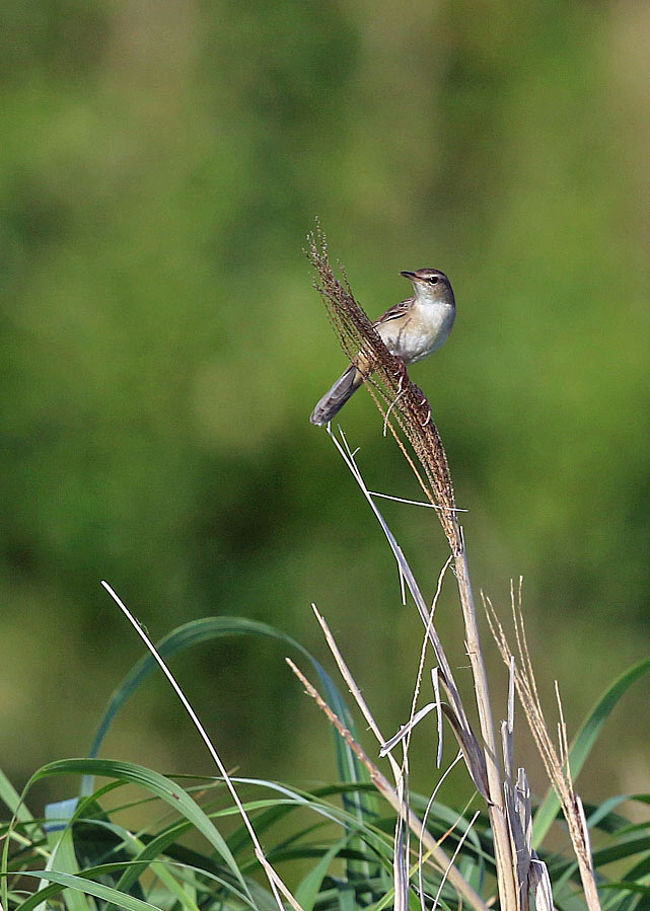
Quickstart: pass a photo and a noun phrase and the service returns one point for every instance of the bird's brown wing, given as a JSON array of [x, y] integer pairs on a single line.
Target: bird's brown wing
[[395, 311]]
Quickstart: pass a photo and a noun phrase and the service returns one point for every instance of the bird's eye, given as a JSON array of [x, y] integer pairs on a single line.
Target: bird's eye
[[433, 280]]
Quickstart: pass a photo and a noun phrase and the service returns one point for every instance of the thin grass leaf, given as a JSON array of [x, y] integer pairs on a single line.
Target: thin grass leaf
[[639, 873], [62, 857], [621, 850], [168, 790], [85, 886], [10, 796], [603, 817], [150, 856], [163, 872], [639, 888], [309, 888], [197, 632]]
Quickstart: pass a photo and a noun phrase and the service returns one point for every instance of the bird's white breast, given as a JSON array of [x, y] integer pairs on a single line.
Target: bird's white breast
[[420, 332]]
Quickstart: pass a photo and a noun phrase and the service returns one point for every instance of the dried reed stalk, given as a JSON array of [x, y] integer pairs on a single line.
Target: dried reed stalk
[[407, 414]]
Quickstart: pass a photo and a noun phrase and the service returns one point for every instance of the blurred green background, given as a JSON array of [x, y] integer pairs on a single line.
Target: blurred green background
[[160, 166]]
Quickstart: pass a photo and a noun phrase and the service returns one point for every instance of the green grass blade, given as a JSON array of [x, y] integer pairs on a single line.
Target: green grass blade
[[152, 853], [62, 854], [154, 783], [197, 632], [10, 796], [309, 888], [621, 850], [83, 885]]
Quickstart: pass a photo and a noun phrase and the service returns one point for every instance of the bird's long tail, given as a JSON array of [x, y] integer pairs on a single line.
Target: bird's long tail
[[337, 396]]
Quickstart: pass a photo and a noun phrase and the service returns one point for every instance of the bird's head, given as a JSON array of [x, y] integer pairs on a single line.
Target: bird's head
[[431, 285]]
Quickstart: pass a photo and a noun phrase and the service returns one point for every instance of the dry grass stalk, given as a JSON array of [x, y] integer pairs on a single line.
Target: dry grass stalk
[[556, 761], [407, 414]]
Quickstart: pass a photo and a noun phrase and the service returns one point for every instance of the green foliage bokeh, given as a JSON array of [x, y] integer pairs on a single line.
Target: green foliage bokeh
[[163, 347]]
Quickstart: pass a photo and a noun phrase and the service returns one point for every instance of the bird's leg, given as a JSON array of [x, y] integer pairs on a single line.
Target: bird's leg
[[423, 401], [402, 373]]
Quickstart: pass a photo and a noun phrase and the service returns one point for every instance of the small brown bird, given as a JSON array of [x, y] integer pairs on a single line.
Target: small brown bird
[[410, 330]]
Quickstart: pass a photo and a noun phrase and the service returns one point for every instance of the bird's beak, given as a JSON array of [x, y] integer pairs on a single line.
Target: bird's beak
[[411, 276]]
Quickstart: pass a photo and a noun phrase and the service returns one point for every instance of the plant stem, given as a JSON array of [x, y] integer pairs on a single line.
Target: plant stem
[[503, 852]]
